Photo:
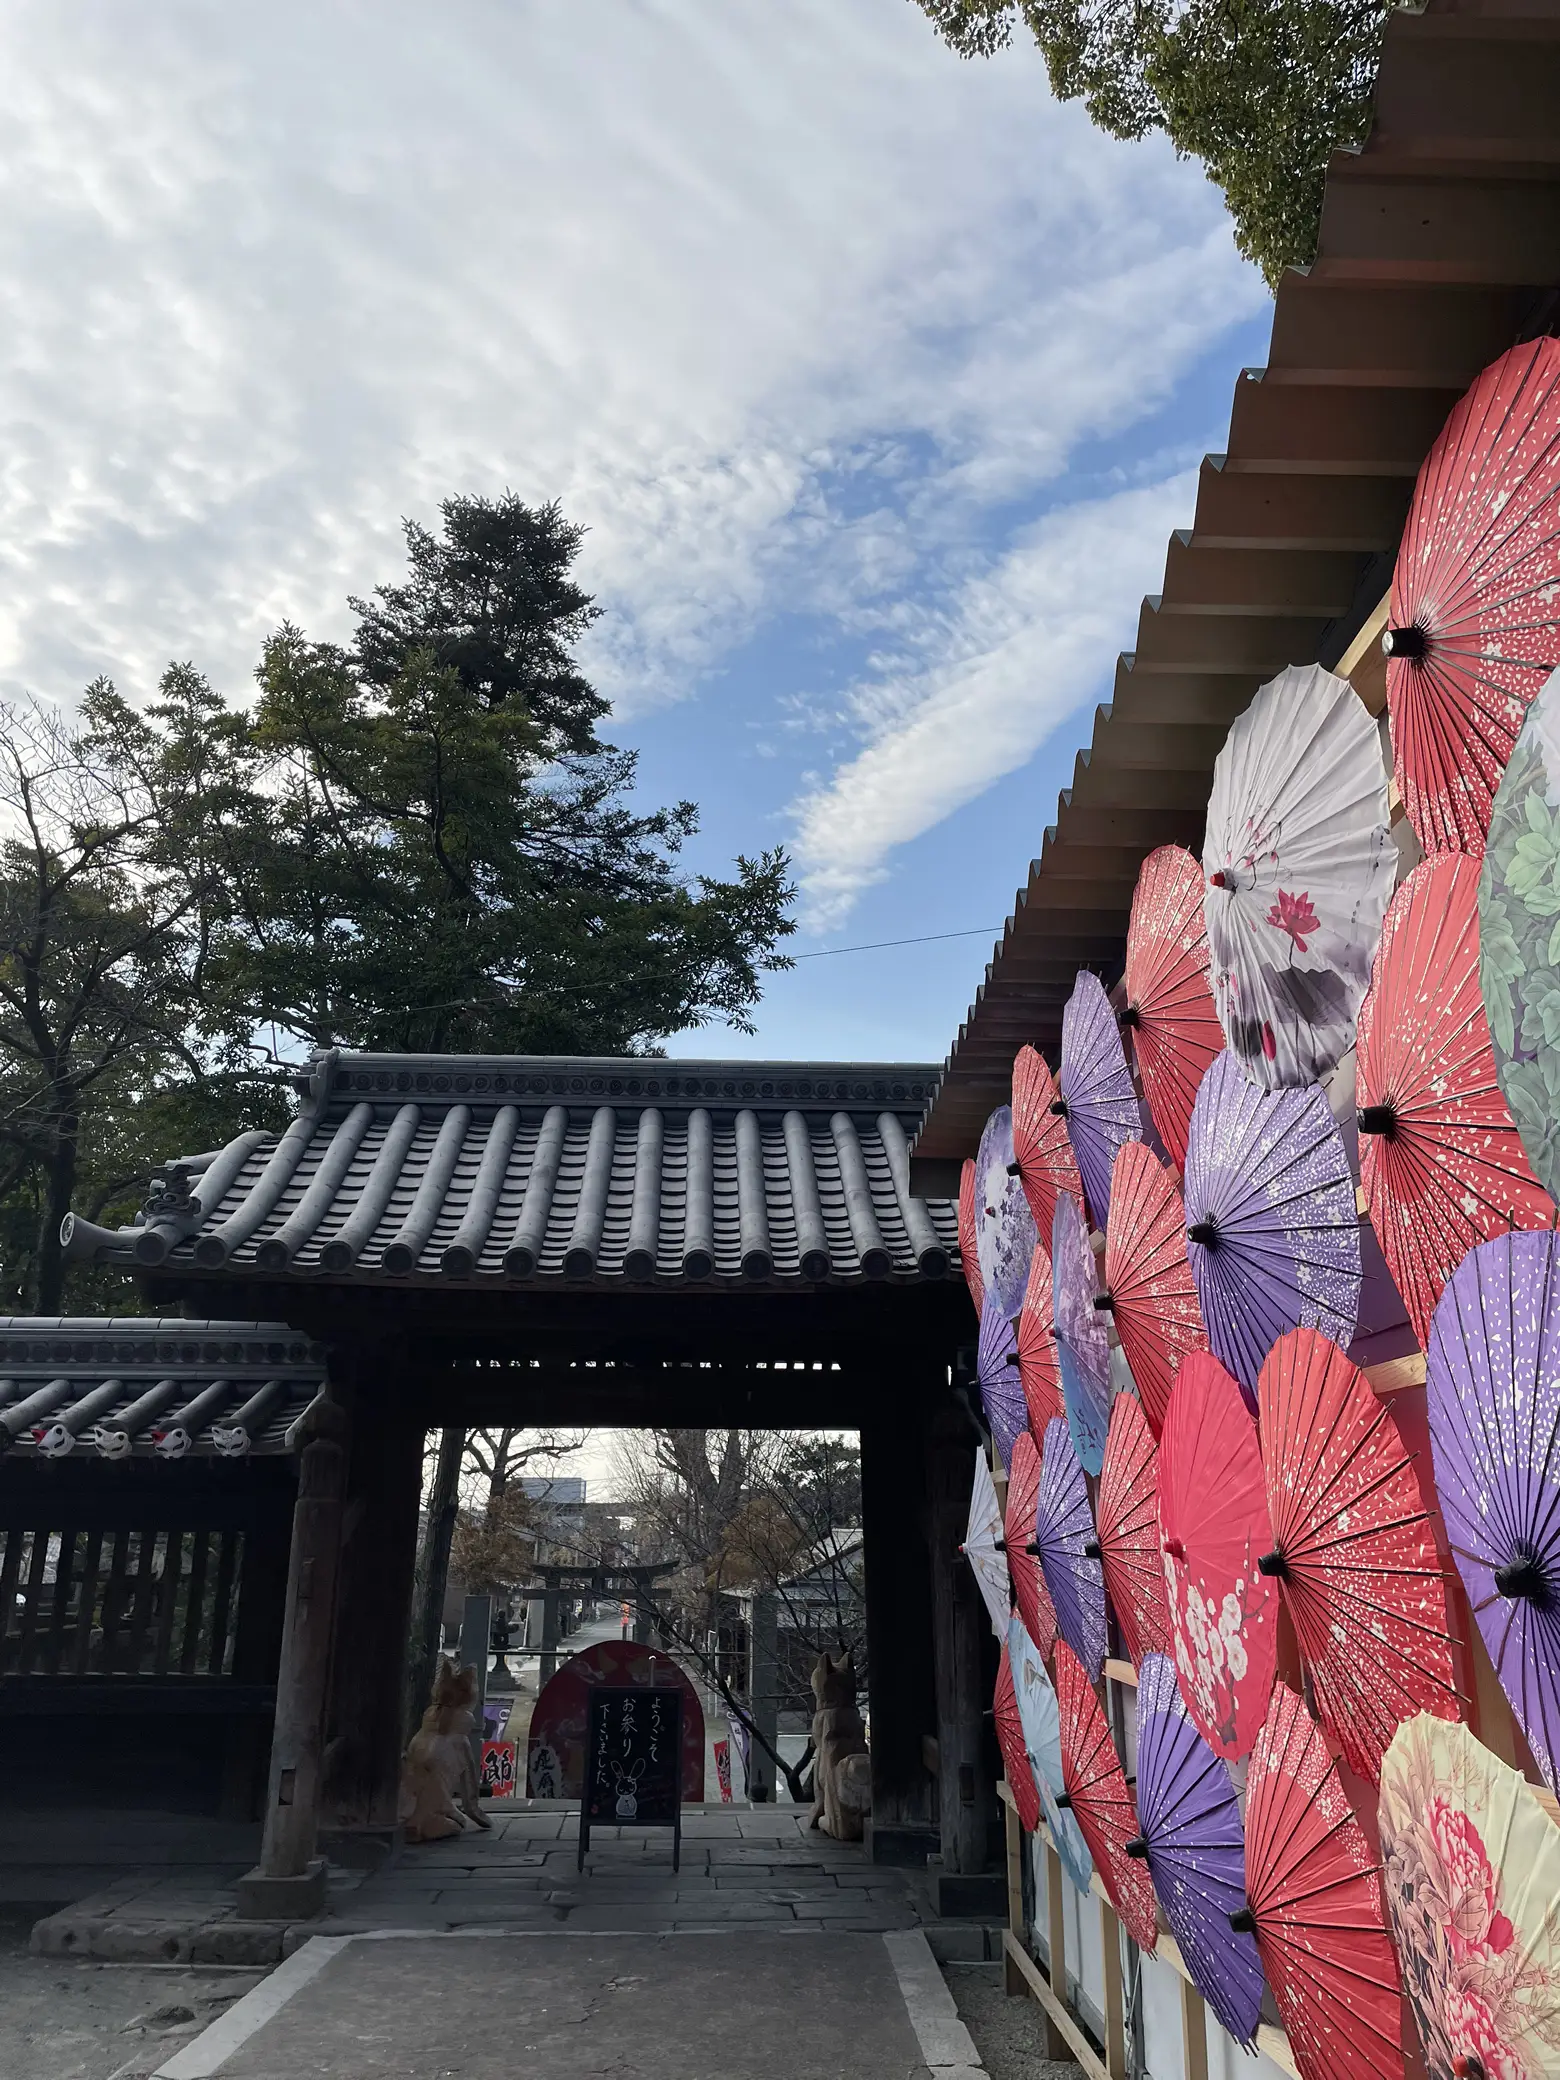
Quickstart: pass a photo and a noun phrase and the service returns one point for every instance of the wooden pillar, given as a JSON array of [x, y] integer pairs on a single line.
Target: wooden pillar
[[961, 1627], [899, 1632], [552, 1629], [288, 1883]]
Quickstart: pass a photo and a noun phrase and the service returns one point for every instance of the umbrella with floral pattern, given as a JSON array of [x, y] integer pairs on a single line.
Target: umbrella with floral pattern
[[1150, 1293], [1102, 1109], [1069, 1552], [1004, 1227], [1001, 1389], [1045, 1162], [1010, 1739], [1082, 1340], [1127, 1533], [1039, 1368], [985, 1547], [1040, 1717], [1101, 1801], [969, 1248], [1030, 1593], [1169, 1010]]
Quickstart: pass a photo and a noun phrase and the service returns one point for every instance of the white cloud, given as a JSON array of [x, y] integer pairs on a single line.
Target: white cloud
[[974, 691]]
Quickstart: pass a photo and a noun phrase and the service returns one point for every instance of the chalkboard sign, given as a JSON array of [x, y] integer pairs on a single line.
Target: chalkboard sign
[[633, 1763]]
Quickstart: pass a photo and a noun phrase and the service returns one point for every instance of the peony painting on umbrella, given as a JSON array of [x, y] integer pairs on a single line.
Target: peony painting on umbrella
[[1102, 1109], [1039, 1367], [1519, 934], [1101, 1799], [1474, 615], [1046, 1164], [1273, 1233], [1001, 1388], [1004, 1226], [1300, 863], [1472, 1881], [1149, 1290], [1169, 1009], [1127, 1532], [1082, 1340], [1069, 1552], [983, 1547], [1030, 1593], [1493, 1388], [1040, 1718], [1440, 1159]]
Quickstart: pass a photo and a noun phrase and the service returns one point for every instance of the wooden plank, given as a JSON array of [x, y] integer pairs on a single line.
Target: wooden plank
[[1057, 2015], [222, 1601], [114, 1610], [64, 1574], [1014, 1835], [1395, 1374], [1194, 2033], [194, 1602], [32, 1591], [9, 1568], [1121, 1672], [87, 1601], [168, 1601], [1115, 2003], [145, 1596]]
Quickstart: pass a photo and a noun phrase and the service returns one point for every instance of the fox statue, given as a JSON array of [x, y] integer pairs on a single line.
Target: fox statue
[[439, 1787], [842, 1767]]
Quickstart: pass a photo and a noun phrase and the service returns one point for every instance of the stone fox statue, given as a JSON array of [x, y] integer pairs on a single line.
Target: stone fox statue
[[842, 1768], [438, 1775]]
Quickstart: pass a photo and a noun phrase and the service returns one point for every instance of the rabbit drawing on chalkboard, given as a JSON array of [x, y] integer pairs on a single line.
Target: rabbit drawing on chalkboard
[[628, 1782]]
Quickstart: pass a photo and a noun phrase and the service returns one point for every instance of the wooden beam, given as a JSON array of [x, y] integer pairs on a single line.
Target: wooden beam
[[1057, 2014]]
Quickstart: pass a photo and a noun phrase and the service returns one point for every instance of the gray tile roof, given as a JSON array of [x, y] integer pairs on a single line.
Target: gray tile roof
[[489, 1168], [143, 1386]]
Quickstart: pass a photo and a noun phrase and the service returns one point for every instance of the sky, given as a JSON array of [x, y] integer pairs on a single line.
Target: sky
[[878, 379]]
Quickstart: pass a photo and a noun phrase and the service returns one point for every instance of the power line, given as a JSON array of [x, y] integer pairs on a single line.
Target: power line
[[974, 931]]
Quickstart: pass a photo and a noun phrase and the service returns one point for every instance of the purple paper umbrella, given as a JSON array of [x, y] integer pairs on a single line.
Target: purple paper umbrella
[[1103, 1110], [1272, 1226], [1493, 1385], [1082, 1340], [1195, 1848], [1004, 1226], [1068, 1549], [1001, 1385]]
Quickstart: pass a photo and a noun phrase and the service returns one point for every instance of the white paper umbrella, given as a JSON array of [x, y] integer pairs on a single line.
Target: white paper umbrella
[[1004, 1225], [1300, 866], [985, 1550]]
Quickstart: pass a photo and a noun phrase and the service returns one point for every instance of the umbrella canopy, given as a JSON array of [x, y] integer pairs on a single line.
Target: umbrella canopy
[[1046, 1164], [1169, 1011], [1101, 1799], [1128, 1532], [1313, 1901], [1195, 1848], [984, 1540], [1082, 1340], [1353, 1551], [1001, 1389], [1273, 1232], [1103, 1109], [1440, 1159], [1149, 1289], [1039, 1368], [1493, 1380], [1472, 1878], [1473, 612], [1214, 1524], [1040, 1717], [1519, 952], [1300, 864], [1069, 1552], [969, 1247], [1030, 1593], [1010, 1739], [1004, 1226]]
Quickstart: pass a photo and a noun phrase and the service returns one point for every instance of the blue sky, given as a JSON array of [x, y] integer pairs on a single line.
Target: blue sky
[[879, 380]]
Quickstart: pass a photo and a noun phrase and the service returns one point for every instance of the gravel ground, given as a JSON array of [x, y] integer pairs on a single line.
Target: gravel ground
[[65, 2021], [1006, 2030]]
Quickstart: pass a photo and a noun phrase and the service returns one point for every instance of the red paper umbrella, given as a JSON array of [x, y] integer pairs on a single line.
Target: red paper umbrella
[[1353, 1551], [1127, 1521], [1046, 1164], [1010, 1739], [969, 1248], [1101, 1799], [1214, 1524], [1038, 1365], [1441, 1162], [1029, 1590], [1149, 1286], [1313, 1902], [1169, 1011], [1475, 617]]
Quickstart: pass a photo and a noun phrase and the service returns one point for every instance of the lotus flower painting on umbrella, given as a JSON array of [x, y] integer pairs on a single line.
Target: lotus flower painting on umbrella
[[1040, 1717], [1039, 1368], [1128, 1532], [1300, 863], [1214, 1523], [1149, 1290], [1440, 1159], [983, 1545], [1169, 1010], [1474, 613], [1472, 1881], [1313, 1901], [1082, 1340], [969, 1247], [1030, 1593], [1103, 1111], [1010, 1739], [1493, 1386], [1273, 1232], [1353, 1551], [1001, 1389], [1192, 1841], [1101, 1799], [1046, 1164], [1519, 935], [1069, 1552], [1004, 1227]]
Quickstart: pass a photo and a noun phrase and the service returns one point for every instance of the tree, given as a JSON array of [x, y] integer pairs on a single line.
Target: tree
[[1262, 91]]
